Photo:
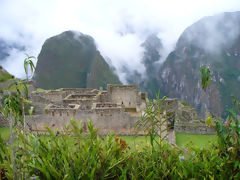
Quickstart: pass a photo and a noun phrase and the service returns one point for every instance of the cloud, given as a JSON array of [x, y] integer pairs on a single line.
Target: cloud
[[118, 27]]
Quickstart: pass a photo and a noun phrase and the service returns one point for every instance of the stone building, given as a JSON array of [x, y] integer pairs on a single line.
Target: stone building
[[115, 110]]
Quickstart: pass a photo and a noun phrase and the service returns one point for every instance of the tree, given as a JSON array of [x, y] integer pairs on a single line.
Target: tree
[[12, 111], [13, 107]]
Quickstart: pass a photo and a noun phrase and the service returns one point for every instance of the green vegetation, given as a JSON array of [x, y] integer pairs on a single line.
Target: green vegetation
[[28, 65], [182, 139], [40, 90], [13, 107], [5, 133], [71, 60], [139, 141], [88, 156], [6, 80], [5, 76], [153, 122], [97, 78]]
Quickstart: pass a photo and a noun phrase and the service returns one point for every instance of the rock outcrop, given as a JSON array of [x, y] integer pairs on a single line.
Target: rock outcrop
[[213, 42]]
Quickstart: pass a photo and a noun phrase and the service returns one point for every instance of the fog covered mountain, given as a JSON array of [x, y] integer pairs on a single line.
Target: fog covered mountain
[[71, 60], [212, 41], [7, 47]]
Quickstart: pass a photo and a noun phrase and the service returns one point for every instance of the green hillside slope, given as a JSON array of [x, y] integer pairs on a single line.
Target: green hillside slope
[[71, 60]]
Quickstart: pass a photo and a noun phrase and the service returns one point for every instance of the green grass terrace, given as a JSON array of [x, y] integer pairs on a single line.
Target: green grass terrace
[[182, 139]]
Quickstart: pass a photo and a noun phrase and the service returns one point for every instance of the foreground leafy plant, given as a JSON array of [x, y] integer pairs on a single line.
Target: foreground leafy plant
[[13, 107], [154, 121], [83, 156], [228, 139], [77, 154]]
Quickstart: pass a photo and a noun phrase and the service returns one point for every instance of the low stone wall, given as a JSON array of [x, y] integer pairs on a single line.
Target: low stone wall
[[194, 129], [107, 121], [69, 91], [171, 138], [38, 98]]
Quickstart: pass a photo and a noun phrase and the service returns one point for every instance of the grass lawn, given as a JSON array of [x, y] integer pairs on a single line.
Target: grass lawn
[[136, 140], [199, 140], [181, 138], [5, 132]]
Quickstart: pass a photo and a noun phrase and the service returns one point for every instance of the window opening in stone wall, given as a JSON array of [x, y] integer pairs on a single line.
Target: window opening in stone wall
[[52, 113], [60, 113]]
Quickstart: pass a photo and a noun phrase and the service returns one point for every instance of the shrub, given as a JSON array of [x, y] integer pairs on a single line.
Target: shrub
[[228, 141], [86, 155], [5, 76]]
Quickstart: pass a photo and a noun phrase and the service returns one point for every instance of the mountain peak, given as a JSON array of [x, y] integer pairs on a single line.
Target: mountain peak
[[213, 41], [69, 60]]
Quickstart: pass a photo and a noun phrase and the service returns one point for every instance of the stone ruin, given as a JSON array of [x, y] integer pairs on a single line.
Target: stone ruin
[[115, 110], [183, 118]]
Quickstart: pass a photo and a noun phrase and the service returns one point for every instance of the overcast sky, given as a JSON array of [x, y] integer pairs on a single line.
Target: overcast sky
[[118, 26]]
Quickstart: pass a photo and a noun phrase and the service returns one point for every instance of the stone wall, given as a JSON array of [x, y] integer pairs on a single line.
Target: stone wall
[[79, 91], [103, 97], [126, 95], [105, 120], [55, 96], [185, 119], [191, 128]]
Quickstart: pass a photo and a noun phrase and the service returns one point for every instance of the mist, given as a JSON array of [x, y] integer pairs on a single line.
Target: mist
[[118, 27]]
